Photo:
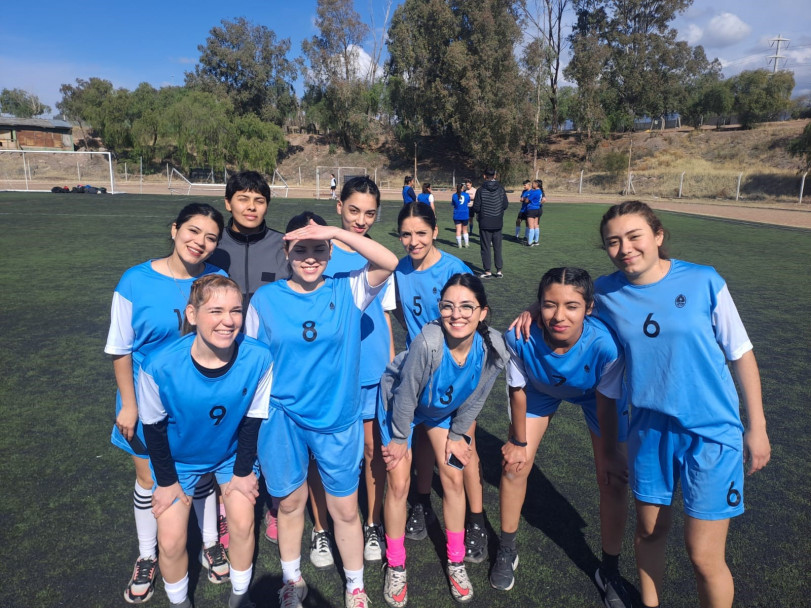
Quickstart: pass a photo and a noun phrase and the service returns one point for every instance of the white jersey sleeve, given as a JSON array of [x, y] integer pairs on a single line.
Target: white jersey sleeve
[[516, 372], [389, 298], [121, 336], [729, 329], [611, 379], [261, 399], [363, 293], [150, 407], [251, 322]]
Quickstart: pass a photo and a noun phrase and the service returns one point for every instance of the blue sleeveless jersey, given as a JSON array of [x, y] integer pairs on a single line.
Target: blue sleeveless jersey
[[533, 197], [461, 211], [203, 413], [677, 335], [594, 362], [375, 338], [419, 290]]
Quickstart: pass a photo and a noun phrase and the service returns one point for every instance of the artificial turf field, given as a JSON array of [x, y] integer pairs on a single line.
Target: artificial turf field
[[67, 529]]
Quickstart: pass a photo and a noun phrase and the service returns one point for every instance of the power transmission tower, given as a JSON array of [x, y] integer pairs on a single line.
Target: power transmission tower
[[775, 59]]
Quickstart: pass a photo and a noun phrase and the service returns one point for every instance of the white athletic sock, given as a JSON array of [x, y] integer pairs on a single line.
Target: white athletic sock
[[177, 592], [466, 239], [458, 241], [517, 231], [291, 571], [354, 579], [146, 526], [240, 580], [205, 507]]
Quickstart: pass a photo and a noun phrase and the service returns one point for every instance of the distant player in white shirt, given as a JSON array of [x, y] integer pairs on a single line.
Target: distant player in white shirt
[[201, 400], [679, 327], [147, 313]]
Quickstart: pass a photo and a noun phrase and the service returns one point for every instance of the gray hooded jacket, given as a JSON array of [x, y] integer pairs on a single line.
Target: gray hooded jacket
[[411, 371]]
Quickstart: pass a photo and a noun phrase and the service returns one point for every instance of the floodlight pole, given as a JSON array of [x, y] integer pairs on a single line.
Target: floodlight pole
[[681, 182], [738, 191], [802, 187]]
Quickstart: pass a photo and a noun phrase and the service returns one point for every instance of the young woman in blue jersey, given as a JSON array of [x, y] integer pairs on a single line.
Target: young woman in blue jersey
[[460, 202], [419, 277], [427, 196], [679, 327], [440, 383], [201, 400], [147, 313], [313, 322], [569, 355], [522, 213], [358, 206], [534, 211]]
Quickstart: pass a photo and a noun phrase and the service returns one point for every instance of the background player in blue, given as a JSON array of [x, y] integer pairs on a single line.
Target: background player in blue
[[460, 202], [313, 322], [522, 213], [440, 383], [419, 278], [357, 207], [427, 196], [409, 196], [146, 313], [569, 356], [679, 327], [534, 211], [201, 400]]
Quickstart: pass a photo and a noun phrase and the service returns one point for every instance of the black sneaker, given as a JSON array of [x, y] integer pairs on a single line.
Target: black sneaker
[[502, 575], [615, 595], [419, 518], [475, 543]]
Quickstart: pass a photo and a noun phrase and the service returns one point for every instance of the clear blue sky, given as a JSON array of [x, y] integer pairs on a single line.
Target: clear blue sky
[[45, 43]]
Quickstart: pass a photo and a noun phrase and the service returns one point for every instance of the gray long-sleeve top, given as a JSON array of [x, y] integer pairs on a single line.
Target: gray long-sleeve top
[[411, 371]]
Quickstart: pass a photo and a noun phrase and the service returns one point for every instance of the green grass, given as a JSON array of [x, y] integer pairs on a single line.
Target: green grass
[[67, 523]]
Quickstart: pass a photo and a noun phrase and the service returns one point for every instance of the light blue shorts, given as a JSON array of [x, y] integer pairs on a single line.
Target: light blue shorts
[[192, 478], [539, 408], [384, 420], [338, 455], [369, 395], [662, 454]]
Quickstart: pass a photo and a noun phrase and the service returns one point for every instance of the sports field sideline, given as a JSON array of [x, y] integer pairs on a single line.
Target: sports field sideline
[[66, 492]]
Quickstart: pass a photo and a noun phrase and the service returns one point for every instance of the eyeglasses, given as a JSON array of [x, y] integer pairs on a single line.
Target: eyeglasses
[[465, 310]]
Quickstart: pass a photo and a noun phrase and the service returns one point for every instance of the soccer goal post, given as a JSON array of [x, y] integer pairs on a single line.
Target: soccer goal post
[[323, 175], [42, 170]]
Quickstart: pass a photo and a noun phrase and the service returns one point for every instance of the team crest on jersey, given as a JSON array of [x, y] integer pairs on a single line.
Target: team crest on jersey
[[244, 391], [332, 305], [586, 368], [680, 301], [434, 290]]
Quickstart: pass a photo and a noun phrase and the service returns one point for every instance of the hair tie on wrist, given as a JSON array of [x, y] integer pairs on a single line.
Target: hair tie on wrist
[[520, 444]]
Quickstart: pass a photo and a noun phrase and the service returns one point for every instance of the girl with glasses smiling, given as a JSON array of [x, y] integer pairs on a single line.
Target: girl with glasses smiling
[[441, 382]]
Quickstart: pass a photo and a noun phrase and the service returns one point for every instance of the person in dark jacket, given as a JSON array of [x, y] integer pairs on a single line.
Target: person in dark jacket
[[489, 205], [251, 253]]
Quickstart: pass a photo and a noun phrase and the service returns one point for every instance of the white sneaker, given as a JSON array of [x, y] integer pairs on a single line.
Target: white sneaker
[[321, 550], [373, 543], [292, 594]]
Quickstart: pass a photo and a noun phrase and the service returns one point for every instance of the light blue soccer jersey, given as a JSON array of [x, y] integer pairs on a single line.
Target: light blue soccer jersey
[[375, 345], [678, 334], [594, 362], [419, 290], [533, 197], [204, 413], [147, 312], [451, 384], [315, 341]]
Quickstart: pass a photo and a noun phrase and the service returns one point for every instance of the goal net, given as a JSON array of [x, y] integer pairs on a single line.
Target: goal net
[[40, 171]]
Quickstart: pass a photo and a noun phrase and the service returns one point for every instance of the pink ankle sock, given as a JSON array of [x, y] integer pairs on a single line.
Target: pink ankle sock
[[396, 553], [456, 546]]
